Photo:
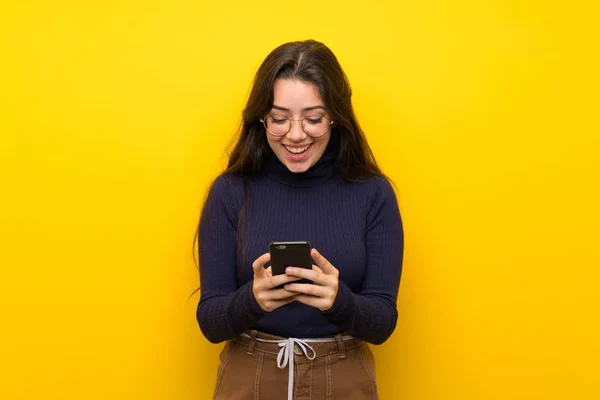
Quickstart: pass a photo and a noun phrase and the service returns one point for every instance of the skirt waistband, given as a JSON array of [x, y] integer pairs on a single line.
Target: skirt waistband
[[264, 342]]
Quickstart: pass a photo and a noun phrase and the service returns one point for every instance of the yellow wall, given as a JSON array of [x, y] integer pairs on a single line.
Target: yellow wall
[[113, 120]]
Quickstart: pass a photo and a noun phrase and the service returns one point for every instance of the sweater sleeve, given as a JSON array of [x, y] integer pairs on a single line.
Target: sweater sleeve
[[371, 314], [225, 309]]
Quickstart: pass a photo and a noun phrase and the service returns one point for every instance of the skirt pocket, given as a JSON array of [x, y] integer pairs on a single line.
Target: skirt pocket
[[238, 372], [352, 377]]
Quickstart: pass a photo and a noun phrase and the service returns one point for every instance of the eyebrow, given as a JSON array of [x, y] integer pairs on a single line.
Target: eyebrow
[[306, 109]]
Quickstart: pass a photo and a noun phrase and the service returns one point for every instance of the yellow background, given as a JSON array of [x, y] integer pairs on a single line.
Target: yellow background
[[114, 117]]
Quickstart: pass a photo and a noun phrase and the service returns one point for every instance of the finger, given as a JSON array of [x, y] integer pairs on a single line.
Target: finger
[[277, 280], [316, 302], [306, 288], [322, 262], [310, 274], [280, 294], [259, 265], [268, 272]]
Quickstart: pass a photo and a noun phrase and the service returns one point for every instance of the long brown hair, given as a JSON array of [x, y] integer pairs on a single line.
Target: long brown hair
[[307, 61]]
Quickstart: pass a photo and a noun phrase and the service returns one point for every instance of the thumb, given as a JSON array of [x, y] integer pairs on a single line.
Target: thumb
[[259, 265], [322, 262]]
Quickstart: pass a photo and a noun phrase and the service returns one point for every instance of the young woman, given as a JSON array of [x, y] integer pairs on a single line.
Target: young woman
[[301, 170]]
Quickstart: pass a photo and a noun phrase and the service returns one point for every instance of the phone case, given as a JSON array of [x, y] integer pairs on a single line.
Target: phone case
[[290, 254]]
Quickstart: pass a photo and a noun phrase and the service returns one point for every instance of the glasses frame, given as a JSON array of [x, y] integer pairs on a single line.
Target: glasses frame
[[264, 122]]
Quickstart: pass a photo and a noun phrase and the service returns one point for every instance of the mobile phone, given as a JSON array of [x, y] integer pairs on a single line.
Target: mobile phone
[[290, 254]]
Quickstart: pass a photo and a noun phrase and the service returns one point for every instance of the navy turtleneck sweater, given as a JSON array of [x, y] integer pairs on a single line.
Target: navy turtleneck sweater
[[355, 225]]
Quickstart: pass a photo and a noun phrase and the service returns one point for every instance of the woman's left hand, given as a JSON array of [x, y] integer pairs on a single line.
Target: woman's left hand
[[322, 292]]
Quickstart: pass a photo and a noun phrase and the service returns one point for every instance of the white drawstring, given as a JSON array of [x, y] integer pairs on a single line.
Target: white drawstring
[[286, 353], [285, 356]]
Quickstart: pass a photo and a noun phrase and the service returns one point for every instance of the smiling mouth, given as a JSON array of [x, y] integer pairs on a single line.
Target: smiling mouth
[[297, 150]]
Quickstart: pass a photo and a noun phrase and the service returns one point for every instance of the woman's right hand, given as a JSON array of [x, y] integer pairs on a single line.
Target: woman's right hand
[[264, 286]]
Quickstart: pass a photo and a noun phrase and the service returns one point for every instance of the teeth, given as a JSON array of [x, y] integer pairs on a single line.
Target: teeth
[[297, 150]]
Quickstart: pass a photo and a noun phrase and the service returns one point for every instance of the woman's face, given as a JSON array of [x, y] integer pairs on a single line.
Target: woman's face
[[296, 100]]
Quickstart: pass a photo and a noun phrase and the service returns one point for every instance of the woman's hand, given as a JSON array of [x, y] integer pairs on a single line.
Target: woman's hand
[[322, 292], [264, 284]]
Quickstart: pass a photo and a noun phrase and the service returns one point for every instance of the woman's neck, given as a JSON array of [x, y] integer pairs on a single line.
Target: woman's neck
[[321, 172]]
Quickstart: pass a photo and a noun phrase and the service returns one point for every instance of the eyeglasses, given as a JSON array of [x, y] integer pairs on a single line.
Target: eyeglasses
[[279, 125]]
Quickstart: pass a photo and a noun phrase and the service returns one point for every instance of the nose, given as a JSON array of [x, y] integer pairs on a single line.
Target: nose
[[296, 133]]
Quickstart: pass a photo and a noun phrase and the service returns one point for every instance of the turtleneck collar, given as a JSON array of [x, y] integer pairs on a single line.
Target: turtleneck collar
[[319, 173]]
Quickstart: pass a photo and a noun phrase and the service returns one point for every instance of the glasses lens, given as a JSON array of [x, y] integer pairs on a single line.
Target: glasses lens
[[315, 125], [277, 125]]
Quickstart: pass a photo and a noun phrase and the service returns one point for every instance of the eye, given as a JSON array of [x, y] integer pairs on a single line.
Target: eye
[[314, 120], [278, 120]]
